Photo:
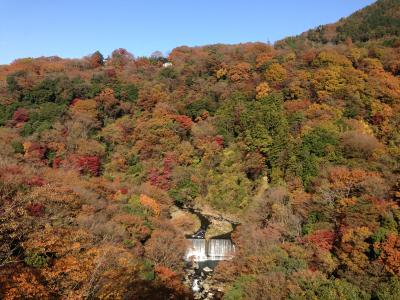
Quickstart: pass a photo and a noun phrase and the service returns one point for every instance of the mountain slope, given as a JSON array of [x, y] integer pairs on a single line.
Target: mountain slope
[[380, 20], [299, 144]]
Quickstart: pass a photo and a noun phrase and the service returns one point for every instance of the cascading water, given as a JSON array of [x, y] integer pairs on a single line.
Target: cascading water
[[195, 286], [197, 250], [202, 255], [209, 250], [220, 249]]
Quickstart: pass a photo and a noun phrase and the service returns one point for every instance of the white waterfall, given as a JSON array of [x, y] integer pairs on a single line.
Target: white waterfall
[[213, 249], [196, 250], [220, 249]]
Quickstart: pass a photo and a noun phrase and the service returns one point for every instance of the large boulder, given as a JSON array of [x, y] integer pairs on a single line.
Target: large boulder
[[188, 223], [218, 227]]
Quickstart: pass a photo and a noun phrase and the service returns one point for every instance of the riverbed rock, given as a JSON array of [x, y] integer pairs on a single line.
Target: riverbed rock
[[207, 270], [218, 227], [197, 296], [210, 296], [212, 213], [187, 223]]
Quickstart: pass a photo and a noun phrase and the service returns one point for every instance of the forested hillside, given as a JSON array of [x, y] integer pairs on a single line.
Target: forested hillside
[[379, 21], [299, 141]]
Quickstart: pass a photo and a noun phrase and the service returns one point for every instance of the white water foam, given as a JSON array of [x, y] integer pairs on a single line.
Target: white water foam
[[213, 249]]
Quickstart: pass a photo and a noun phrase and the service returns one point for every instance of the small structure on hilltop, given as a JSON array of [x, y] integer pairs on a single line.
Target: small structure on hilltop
[[167, 64]]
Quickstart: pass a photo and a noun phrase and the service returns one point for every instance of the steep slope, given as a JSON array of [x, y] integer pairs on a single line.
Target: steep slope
[[380, 20]]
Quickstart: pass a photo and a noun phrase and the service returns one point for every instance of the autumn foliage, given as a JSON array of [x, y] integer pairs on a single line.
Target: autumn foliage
[[88, 164], [150, 203], [298, 142]]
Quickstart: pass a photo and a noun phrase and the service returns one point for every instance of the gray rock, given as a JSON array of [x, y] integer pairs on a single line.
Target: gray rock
[[207, 270], [218, 227]]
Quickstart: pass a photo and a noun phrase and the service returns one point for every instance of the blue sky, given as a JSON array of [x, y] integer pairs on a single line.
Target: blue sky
[[74, 28]]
